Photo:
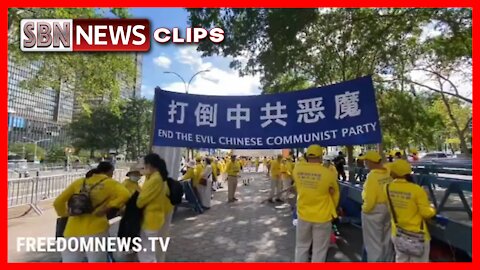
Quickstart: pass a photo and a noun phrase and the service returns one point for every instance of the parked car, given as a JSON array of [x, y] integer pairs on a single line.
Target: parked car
[[434, 155]]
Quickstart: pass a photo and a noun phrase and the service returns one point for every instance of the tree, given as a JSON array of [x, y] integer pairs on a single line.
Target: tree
[[88, 75], [98, 131], [319, 46], [446, 64], [55, 154], [457, 117], [103, 129], [27, 151], [136, 121], [408, 120]]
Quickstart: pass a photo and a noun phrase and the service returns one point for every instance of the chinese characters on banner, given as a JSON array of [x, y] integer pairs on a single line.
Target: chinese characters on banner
[[339, 114]]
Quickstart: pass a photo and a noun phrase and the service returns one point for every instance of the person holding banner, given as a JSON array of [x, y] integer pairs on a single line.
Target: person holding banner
[[317, 199], [233, 171], [275, 179]]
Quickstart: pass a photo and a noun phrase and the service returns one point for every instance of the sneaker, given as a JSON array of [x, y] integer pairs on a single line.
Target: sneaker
[[235, 199], [279, 200]]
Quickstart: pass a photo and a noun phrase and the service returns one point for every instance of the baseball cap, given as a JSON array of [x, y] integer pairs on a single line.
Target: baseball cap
[[400, 167], [372, 156], [314, 150]]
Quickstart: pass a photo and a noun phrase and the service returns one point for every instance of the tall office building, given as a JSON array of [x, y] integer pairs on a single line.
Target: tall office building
[[45, 114], [38, 115]]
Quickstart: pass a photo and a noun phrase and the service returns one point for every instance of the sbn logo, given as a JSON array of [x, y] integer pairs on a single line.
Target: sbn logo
[[64, 35]]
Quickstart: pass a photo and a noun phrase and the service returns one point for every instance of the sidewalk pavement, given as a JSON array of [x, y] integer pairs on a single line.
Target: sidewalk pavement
[[242, 231]]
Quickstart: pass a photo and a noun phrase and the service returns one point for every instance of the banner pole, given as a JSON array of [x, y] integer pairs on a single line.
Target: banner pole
[[152, 135]]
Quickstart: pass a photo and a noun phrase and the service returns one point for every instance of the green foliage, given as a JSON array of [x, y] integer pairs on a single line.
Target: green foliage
[[136, 118], [102, 130], [299, 48], [29, 152], [456, 115], [408, 120], [55, 154], [89, 75], [322, 46]]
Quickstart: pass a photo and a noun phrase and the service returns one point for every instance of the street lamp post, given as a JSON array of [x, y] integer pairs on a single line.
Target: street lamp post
[[187, 86], [35, 143]]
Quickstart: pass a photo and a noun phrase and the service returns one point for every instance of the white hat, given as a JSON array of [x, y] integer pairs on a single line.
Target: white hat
[[135, 168], [191, 164]]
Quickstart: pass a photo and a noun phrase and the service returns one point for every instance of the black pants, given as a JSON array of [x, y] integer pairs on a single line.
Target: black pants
[[341, 172]]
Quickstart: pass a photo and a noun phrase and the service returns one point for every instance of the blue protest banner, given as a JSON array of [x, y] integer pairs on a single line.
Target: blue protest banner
[[339, 114]]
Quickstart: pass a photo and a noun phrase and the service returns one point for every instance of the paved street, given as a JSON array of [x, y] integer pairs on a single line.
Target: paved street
[[243, 231], [247, 231]]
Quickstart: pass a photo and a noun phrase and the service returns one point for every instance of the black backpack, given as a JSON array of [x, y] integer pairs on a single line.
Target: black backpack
[[176, 191], [80, 203]]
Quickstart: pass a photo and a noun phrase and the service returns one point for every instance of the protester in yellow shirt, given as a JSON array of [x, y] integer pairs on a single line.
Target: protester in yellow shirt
[[198, 172], [131, 183], [375, 215], [275, 179], [190, 173], [157, 208], [216, 173], [317, 198], [287, 181], [233, 171], [222, 168], [269, 162], [411, 208], [105, 194]]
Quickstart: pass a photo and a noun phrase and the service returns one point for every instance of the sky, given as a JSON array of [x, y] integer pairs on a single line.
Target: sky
[[186, 61], [221, 79]]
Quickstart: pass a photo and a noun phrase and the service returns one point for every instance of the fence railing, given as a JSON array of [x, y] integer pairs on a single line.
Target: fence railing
[[32, 190]]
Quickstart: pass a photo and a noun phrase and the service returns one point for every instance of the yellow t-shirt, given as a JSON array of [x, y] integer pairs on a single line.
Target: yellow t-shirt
[[154, 201], [373, 190], [233, 168], [275, 169], [411, 205], [313, 183], [109, 193], [131, 185], [198, 175]]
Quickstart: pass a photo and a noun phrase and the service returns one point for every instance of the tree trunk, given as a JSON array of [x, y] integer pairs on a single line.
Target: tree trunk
[[380, 150], [92, 153], [463, 143]]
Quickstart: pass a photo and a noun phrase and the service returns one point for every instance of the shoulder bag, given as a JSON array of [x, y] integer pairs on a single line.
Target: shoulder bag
[[410, 243]]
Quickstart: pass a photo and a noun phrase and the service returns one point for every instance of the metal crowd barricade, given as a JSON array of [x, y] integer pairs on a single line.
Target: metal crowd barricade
[[30, 191]]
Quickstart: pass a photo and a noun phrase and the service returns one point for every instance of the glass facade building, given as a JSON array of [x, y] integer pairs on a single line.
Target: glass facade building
[[45, 114], [36, 115]]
